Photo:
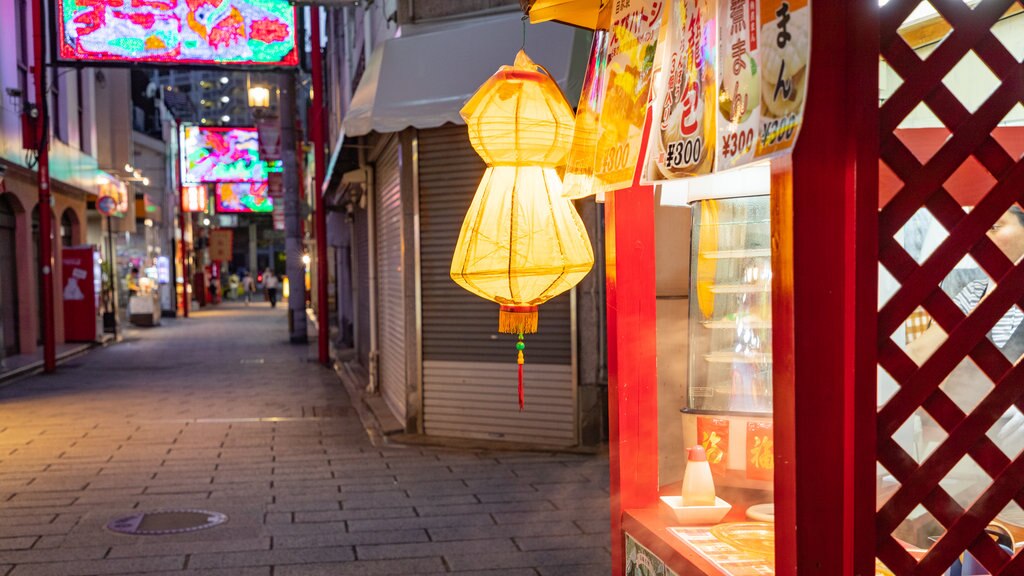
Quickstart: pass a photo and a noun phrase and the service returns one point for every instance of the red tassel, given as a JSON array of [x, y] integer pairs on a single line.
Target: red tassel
[[521, 398]]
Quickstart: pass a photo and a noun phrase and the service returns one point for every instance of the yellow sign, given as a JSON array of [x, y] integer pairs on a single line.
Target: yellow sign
[[631, 50]]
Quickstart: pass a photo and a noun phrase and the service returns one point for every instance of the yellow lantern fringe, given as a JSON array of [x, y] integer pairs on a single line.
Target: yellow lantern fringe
[[517, 320]]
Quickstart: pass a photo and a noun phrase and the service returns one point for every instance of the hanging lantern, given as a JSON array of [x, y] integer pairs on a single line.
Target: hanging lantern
[[521, 243]]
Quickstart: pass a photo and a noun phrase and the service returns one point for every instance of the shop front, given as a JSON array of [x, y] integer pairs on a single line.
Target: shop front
[[772, 243], [431, 350]]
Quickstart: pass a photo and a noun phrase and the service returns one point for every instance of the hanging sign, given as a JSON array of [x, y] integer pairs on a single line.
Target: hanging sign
[[785, 55], [193, 198], [682, 139], [730, 84], [269, 130], [631, 50], [220, 244], [739, 86]]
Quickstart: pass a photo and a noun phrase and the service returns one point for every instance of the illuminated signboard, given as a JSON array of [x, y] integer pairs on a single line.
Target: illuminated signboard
[[218, 154], [195, 32], [244, 197], [112, 198], [193, 199]]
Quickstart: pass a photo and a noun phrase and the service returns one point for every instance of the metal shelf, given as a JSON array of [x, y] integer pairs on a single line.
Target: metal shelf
[[726, 357], [734, 254], [741, 288], [731, 324]]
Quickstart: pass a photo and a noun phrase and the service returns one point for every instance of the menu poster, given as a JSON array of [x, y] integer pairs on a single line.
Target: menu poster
[[631, 50], [578, 181], [739, 82], [682, 141], [785, 53]]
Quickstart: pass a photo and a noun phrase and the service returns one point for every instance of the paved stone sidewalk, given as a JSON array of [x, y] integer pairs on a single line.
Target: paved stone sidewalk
[[218, 412]]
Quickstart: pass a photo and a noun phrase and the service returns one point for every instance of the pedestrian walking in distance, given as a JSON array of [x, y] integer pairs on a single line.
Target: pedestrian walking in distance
[[270, 282], [249, 287]]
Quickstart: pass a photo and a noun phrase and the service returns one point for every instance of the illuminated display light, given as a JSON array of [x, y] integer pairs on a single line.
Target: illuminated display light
[[221, 154], [193, 199], [236, 197], [197, 32]]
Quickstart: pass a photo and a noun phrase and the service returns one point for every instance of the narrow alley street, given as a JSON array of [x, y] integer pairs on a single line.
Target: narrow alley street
[[218, 413]]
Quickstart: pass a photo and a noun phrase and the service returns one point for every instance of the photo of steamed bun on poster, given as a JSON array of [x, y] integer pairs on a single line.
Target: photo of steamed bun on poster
[[730, 80]]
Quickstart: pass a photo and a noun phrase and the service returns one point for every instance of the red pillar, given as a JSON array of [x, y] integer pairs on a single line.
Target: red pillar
[[316, 129], [824, 199], [45, 219], [632, 357]]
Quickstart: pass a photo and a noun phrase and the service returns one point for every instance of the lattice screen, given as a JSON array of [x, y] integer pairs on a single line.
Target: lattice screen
[[922, 492]]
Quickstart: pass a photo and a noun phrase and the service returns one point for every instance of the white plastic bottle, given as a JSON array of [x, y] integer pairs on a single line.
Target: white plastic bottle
[[698, 486]]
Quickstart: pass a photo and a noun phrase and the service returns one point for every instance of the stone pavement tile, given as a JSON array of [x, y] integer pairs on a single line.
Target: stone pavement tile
[[101, 567], [305, 505], [358, 514], [329, 539], [5, 569], [563, 542], [366, 568], [146, 548], [512, 496], [42, 503], [274, 558], [63, 555], [450, 533], [399, 500], [278, 518], [22, 543], [577, 570], [508, 572], [479, 547], [538, 559], [13, 529], [549, 516], [596, 526], [419, 522], [240, 571], [477, 508], [305, 529]]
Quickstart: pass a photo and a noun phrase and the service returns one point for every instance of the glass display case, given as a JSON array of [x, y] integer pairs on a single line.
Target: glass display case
[[728, 394]]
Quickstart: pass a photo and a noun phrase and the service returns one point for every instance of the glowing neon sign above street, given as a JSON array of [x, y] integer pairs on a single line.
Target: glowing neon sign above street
[[196, 32]]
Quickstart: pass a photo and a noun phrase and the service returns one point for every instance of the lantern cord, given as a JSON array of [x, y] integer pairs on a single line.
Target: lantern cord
[[525, 17], [520, 346]]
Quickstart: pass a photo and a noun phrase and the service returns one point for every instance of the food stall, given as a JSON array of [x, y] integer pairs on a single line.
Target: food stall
[[767, 345]]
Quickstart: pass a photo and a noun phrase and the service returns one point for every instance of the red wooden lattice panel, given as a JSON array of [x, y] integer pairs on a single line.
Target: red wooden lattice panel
[[922, 187]]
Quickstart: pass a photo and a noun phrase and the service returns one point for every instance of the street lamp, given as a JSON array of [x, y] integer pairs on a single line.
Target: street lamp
[[259, 97]]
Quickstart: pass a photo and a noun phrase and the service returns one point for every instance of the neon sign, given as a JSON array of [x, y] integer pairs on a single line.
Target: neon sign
[[218, 154], [197, 32], [244, 197]]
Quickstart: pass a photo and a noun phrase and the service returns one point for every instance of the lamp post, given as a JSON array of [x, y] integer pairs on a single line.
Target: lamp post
[[45, 224]]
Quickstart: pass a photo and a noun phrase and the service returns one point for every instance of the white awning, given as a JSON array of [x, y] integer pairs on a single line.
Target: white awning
[[423, 78]]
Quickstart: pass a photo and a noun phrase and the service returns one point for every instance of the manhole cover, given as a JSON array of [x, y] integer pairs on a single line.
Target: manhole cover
[[166, 522]]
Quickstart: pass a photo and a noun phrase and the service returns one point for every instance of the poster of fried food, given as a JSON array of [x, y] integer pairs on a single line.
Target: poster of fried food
[[578, 181], [631, 50], [739, 82], [785, 53], [682, 140], [713, 434], [760, 451]]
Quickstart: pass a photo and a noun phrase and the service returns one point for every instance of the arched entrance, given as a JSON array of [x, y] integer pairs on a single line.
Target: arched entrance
[[8, 278]]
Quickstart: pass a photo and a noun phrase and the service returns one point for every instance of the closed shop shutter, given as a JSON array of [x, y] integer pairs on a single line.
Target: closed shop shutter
[[390, 290], [469, 370]]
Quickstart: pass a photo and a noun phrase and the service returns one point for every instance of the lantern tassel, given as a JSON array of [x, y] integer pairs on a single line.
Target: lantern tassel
[[517, 320], [520, 346]]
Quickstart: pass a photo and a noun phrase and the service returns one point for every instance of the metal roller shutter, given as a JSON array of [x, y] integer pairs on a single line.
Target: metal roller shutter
[[469, 370], [390, 290]]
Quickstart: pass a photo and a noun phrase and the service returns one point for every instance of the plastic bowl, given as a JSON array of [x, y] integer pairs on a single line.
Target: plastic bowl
[[695, 515]]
